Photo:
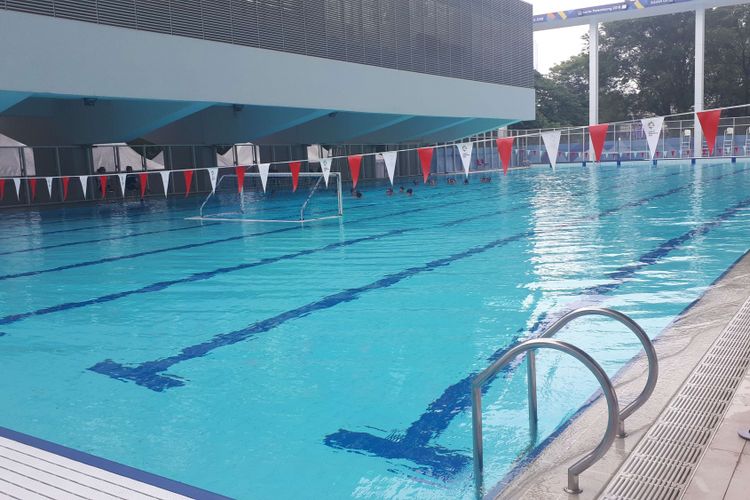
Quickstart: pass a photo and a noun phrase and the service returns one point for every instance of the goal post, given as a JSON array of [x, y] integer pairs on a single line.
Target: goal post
[[279, 202]]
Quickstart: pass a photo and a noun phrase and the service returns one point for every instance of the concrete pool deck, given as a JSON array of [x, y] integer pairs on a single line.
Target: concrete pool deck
[[723, 469]]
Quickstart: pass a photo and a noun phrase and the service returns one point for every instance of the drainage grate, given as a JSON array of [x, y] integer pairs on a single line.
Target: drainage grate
[[662, 464]]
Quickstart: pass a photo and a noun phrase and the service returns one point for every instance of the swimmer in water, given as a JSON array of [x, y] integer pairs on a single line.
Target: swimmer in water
[[409, 192], [389, 191]]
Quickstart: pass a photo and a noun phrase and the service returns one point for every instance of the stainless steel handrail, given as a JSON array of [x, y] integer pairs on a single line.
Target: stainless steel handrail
[[607, 388], [648, 346]]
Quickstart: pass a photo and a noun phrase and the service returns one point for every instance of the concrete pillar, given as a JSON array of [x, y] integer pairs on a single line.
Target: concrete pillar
[[700, 43]]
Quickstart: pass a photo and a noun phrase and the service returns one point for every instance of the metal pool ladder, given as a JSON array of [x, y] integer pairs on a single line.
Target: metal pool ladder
[[616, 417]]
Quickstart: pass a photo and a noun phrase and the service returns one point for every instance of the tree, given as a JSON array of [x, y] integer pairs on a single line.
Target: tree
[[646, 68]]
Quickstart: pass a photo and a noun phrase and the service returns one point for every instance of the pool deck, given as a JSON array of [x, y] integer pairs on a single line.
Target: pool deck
[[31, 468], [723, 469]]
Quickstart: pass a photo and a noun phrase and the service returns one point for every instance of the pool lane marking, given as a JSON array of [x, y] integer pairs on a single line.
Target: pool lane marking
[[223, 240], [195, 226], [149, 374], [204, 275]]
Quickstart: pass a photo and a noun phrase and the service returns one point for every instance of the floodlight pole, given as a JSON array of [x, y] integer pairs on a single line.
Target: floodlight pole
[[700, 45], [593, 78]]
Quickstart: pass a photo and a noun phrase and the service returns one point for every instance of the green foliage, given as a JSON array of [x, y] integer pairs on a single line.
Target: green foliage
[[646, 67]]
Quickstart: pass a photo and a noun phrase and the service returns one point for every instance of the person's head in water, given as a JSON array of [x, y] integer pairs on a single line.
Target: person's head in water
[[401, 189], [389, 191], [358, 194], [409, 192], [466, 181]]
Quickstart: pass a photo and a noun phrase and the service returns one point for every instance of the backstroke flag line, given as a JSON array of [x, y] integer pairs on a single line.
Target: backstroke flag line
[[389, 157], [17, 183], [49, 185], [709, 121], [598, 134], [263, 171], [652, 128], [325, 167], [464, 151], [551, 140], [425, 157], [505, 150]]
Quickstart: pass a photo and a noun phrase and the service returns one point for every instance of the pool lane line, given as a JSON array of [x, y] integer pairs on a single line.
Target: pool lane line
[[139, 254], [204, 275], [149, 374], [195, 225], [413, 444], [217, 241]]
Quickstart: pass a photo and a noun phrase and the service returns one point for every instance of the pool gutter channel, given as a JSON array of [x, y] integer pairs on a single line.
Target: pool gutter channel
[[709, 323]]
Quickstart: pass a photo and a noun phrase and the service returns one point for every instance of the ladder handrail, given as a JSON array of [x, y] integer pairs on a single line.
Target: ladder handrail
[[607, 388], [543, 341], [648, 346]]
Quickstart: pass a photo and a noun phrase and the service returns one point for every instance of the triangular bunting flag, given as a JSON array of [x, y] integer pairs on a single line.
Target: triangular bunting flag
[[389, 157], [165, 181], [188, 174], [144, 183], [294, 168], [355, 162], [325, 167], [598, 134], [505, 149], [84, 184], [2, 189], [103, 185], [32, 186], [710, 124], [213, 174], [464, 151], [49, 186], [263, 170], [425, 157], [652, 128], [17, 183], [239, 171], [65, 183], [123, 178], [551, 140]]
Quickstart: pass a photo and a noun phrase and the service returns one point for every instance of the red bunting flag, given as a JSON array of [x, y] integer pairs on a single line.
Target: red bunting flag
[[65, 181], [32, 185], [294, 167], [425, 156], [240, 171], [188, 181], [355, 162], [144, 183], [103, 185], [2, 189], [709, 121], [598, 134], [504, 149]]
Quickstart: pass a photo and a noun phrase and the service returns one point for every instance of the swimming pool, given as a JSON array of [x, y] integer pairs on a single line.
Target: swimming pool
[[334, 359]]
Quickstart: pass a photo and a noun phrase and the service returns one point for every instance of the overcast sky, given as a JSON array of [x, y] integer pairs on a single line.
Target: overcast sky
[[553, 46]]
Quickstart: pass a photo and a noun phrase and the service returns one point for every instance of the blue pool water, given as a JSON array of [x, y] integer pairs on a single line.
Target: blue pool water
[[333, 360]]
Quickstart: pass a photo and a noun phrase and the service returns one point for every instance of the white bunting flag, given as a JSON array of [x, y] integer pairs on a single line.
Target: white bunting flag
[[49, 185], [17, 183], [123, 178], [551, 140], [263, 170], [389, 158], [84, 183], [165, 181], [213, 174], [464, 150], [652, 129], [325, 166]]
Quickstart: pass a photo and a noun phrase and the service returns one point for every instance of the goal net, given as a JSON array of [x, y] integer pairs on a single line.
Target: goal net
[[311, 201]]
